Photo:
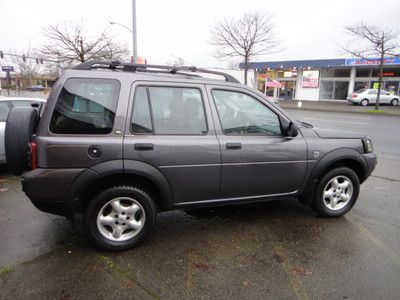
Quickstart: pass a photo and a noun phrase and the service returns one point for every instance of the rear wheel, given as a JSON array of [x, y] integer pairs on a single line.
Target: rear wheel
[[394, 102], [336, 192], [21, 122], [364, 102], [120, 217]]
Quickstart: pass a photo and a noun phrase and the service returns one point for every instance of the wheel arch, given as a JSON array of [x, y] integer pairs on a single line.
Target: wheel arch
[[344, 157], [118, 172]]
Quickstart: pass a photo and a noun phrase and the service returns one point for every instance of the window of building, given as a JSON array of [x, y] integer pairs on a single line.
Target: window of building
[[241, 114], [388, 72], [332, 72], [85, 106], [168, 110], [363, 72]]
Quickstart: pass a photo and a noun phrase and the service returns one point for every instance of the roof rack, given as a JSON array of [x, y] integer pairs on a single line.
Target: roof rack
[[127, 67]]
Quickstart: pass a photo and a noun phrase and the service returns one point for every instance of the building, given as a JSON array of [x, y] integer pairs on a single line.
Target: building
[[325, 79]]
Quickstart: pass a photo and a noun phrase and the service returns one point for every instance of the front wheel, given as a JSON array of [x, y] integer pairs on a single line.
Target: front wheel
[[118, 218], [336, 192], [394, 102]]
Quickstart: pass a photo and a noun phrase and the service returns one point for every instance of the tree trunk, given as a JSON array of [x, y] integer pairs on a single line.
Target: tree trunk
[[378, 96], [246, 63]]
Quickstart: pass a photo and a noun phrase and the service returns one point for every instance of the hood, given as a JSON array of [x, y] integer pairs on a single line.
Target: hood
[[324, 133]]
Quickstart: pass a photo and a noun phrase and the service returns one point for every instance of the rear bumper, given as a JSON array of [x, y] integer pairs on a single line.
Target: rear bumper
[[48, 188]]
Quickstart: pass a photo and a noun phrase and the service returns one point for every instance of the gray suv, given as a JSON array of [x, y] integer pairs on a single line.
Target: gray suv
[[117, 143]]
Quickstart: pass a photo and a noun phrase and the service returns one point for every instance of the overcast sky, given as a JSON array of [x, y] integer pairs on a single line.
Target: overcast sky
[[309, 29]]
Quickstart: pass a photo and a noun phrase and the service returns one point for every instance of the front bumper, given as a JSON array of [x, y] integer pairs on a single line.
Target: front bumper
[[371, 161]]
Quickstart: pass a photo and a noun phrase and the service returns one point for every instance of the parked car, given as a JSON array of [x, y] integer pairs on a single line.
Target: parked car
[[36, 88], [117, 143], [6, 104], [368, 96]]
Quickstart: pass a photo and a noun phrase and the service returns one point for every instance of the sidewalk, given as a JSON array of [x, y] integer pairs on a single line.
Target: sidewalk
[[339, 106]]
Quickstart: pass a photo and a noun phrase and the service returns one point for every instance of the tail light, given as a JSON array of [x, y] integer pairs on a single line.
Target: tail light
[[34, 163], [353, 95]]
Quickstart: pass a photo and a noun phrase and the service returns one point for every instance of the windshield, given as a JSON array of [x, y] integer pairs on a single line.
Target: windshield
[[360, 91]]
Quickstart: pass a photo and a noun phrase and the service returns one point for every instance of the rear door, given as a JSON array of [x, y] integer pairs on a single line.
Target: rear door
[[257, 159], [170, 128]]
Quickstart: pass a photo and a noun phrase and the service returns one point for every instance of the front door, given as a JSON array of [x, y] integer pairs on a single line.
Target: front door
[[257, 160], [169, 130]]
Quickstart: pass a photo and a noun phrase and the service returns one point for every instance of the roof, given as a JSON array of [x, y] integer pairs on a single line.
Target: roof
[[298, 64]]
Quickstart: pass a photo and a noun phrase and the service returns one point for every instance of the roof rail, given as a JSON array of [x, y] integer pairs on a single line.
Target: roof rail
[[127, 67]]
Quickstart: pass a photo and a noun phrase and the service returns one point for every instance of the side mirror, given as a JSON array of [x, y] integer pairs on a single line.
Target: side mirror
[[291, 130]]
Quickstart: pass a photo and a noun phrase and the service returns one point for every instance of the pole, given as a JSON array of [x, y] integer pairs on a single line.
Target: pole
[[134, 35]]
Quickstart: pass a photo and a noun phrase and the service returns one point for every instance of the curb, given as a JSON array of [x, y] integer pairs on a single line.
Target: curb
[[386, 114]]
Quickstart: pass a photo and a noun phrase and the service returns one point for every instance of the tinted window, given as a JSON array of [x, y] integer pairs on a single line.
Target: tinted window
[[85, 106], [141, 117], [241, 114], [4, 110], [177, 110]]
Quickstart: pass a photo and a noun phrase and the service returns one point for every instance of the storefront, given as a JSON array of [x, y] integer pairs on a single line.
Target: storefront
[[326, 79]]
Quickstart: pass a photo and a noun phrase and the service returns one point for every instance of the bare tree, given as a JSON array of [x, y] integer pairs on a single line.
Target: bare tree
[[373, 41], [250, 35], [70, 45]]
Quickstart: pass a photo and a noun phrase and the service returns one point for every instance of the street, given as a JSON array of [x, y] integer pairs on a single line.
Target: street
[[278, 249]]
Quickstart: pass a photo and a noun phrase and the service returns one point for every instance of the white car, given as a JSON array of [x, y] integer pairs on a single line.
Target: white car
[[6, 104], [368, 96]]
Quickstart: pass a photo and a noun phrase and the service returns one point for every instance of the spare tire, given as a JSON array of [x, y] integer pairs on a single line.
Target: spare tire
[[21, 122]]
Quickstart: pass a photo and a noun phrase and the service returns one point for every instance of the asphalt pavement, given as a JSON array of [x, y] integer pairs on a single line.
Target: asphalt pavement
[[278, 249]]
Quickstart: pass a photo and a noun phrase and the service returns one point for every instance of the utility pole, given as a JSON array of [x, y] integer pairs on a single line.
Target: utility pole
[[134, 35]]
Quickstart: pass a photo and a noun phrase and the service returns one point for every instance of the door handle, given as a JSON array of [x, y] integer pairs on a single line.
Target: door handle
[[143, 146], [233, 146]]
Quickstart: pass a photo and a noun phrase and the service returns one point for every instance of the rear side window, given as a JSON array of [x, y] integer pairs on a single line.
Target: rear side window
[[86, 106], [168, 110]]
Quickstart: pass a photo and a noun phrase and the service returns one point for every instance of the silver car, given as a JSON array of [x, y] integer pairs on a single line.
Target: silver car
[[6, 103], [368, 96]]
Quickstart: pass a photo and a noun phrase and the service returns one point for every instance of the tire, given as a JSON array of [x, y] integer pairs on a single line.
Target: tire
[[364, 102], [394, 102], [342, 198], [107, 224], [21, 122]]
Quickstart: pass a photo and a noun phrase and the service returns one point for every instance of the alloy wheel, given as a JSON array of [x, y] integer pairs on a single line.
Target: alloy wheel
[[121, 219]]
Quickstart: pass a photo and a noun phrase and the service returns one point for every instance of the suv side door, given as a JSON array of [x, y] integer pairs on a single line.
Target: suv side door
[[257, 160], [170, 128]]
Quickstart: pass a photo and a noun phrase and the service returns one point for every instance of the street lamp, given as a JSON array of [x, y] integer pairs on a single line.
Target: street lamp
[[133, 31]]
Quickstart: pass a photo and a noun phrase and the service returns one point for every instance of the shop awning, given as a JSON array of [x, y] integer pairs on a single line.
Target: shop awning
[[272, 83]]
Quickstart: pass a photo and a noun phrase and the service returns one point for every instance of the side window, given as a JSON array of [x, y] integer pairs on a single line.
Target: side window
[[173, 111], [4, 110], [241, 114], [141, 117], [372, 92], [85, 106]]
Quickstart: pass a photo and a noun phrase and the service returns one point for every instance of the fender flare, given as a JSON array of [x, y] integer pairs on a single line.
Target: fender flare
[[327, 160], [116, 167]]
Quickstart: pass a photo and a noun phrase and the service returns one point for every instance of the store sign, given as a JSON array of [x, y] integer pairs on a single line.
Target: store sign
[[371, 61], [289, 74], [310, 79], [7, 69]]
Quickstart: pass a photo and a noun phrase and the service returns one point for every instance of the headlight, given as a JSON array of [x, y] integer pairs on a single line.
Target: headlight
[[368, 146]]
